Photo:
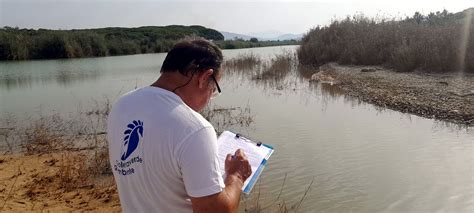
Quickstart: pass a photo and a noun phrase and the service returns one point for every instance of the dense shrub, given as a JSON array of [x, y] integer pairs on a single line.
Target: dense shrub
[[434, 42]]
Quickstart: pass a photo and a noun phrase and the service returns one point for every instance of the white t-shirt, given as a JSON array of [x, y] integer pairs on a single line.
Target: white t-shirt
[[162, 152]]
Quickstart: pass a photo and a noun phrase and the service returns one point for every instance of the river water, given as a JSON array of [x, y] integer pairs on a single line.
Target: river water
[[332, 152]]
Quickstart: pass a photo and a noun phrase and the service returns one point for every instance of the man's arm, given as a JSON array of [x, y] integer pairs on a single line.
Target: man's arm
[[238, 170]]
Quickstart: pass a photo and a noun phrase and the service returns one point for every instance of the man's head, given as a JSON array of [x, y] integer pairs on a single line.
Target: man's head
[[191, 69], [193, 54]]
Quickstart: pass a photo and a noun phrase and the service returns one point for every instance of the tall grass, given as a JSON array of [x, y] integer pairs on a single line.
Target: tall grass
[[246, 61], [278, 67], [253, 65], [223, 118], [269, 72], [425, 42]]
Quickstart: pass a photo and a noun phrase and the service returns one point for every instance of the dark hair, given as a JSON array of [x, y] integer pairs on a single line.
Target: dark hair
[[193, 54]]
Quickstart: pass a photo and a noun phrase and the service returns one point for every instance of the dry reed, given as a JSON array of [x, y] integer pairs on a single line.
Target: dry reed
[[429, 43], [243, 62]]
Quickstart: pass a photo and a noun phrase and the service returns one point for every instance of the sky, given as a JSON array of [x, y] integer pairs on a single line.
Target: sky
[[245, 17]]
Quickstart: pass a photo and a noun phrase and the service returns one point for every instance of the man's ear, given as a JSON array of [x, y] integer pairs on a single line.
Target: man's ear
[[204, 78]]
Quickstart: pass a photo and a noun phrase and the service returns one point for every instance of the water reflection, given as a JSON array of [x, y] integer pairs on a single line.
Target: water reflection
[[67, 77], [68, 72], [62, 77], [332, 90], [27, 74], [8, 82]]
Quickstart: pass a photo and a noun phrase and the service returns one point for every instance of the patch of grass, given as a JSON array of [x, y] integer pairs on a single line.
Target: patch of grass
[[41, 139], [225, 118], [278, 67], [243, 62], [269, 72], [7, 134], [99, 162], [73, 172]]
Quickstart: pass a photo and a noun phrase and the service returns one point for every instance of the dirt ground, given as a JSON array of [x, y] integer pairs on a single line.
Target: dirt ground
[[447, 97], [53, 183]]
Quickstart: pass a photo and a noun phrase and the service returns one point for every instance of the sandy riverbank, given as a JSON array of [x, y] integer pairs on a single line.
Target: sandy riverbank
[[53, 182]]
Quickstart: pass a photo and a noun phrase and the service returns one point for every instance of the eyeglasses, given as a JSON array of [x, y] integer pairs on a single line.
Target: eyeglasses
[[215, 92]]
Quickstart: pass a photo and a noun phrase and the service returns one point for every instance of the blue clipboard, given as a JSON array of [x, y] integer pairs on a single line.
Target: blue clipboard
[[258, 172]]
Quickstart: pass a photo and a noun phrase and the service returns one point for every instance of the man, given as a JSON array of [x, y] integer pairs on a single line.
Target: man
[[162, 151]]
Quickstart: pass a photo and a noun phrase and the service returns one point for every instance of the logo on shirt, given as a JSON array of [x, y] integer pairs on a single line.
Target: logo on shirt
[[129, 156], [133, 135]]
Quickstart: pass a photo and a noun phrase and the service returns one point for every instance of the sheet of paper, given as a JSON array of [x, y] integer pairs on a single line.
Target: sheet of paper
[[227, 144]]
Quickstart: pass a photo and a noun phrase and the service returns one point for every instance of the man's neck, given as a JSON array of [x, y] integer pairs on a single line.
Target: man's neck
[[170, 81], [165, 81]]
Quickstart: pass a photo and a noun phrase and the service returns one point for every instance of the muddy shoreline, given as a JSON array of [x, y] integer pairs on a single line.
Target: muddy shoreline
[[445, 97]]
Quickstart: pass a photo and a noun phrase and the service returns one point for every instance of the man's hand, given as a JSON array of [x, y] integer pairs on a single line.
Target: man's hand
[[238, 169], [238, 165]]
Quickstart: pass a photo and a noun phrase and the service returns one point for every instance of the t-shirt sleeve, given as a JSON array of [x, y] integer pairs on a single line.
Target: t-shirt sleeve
[[199, 164]]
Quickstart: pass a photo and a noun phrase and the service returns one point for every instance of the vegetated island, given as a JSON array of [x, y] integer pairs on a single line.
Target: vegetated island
[[422, 64], [25, 44]]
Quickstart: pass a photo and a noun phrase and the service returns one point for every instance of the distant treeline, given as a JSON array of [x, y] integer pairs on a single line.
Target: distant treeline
[[24, 44], [437, 42]]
